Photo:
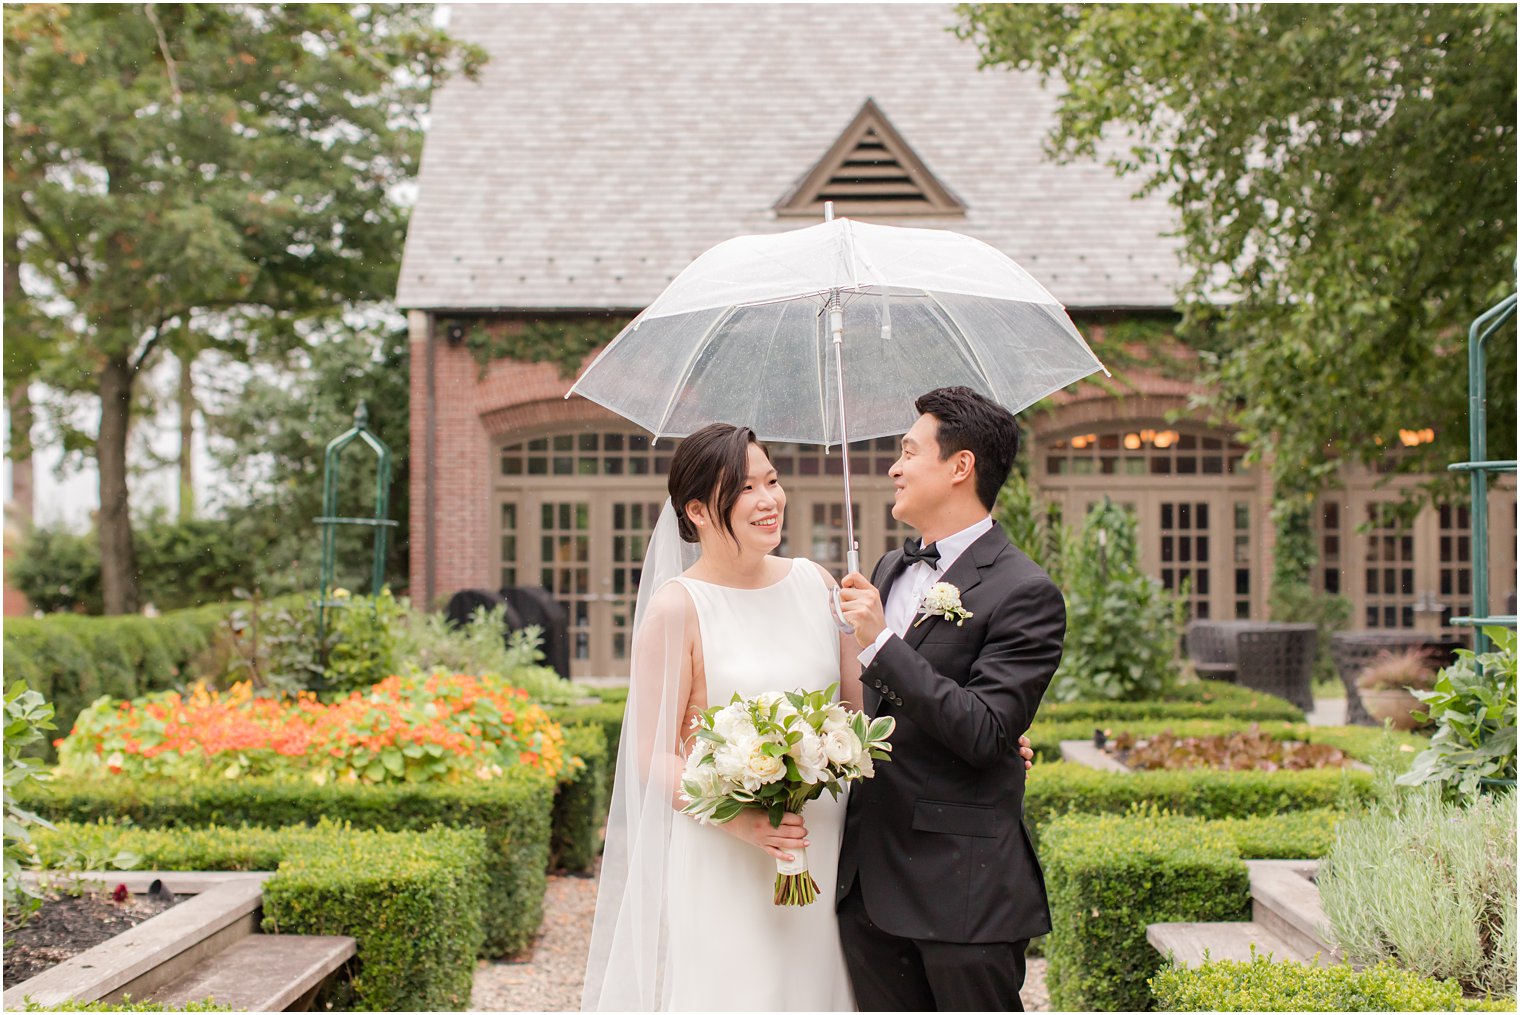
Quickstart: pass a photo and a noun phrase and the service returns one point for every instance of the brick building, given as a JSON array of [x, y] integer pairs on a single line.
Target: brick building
[[605, 147]]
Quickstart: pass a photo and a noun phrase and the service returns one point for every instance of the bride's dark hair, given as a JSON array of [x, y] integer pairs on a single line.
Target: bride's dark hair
[[710, 467]]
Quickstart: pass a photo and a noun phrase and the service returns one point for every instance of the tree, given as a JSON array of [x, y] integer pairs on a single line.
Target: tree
[[269, 439], [1345, 182], [218, 170]]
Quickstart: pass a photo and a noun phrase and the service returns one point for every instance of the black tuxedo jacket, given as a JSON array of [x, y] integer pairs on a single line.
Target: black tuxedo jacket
[[937, 838]]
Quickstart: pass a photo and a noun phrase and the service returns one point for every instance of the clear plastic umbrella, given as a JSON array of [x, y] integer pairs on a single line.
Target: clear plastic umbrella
[[828, 334]]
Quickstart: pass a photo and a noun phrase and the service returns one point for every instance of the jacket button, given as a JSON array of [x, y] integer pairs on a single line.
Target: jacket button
[[877, 683]]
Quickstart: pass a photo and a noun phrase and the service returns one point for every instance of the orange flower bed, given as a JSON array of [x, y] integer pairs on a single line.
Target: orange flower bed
[[418, 728]]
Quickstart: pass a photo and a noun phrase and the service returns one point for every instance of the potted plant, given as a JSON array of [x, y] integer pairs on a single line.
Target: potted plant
[[1385, 685]]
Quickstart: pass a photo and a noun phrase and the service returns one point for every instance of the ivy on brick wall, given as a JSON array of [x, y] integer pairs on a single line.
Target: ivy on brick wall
[[563, 341]]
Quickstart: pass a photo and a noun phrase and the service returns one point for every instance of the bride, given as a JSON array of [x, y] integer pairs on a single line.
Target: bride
[[684, 915]]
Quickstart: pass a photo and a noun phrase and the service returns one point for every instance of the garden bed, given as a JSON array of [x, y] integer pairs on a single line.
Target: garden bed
[[68, 924]]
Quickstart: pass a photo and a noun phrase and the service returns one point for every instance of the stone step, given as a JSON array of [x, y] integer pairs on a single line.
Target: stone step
[[1188, 943], [141, 959], [262, 972], [1286, 902]]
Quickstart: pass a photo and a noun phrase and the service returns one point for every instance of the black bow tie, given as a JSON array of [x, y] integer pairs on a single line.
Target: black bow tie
[[914, 552]]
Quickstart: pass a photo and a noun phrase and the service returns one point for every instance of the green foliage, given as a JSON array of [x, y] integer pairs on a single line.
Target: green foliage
[[1430, 884], [1312, 154], [27, 718], [1296, 835], [1122, 627], [201, 176], [1060, 787], [58, 571], [412, 900], [363, 647], [270, 441], [608, 714], [1264, 985], [563, 341], [427, 642], [1199, 699], [1110, 875], [580, 805], [73, 660], [1474, 716], [513, 812], [1031, 524]]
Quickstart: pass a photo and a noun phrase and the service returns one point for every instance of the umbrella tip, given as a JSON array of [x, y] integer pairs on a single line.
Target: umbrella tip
[[828, 211]]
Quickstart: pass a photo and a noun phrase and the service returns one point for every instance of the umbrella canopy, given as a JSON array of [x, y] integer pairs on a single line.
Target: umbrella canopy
[[743, 336]]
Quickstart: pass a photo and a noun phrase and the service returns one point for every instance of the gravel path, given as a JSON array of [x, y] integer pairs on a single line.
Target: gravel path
[[550, 979]]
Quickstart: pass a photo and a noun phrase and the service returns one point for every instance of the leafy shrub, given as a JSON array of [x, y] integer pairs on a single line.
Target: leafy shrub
[[512, 811], [1122, 627], [71, 661], [1430, 884], [413, 901], [1108, 877], [1474, 716], [580, 806], [180, 564], [1059, 788], [1199, 699], [1264, 985], [405, 729], [1297, 835], [362, 651], [27, 717], [427, 642]]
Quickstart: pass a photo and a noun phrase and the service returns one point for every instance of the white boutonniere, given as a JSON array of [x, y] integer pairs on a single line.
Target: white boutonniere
[[942, 600]]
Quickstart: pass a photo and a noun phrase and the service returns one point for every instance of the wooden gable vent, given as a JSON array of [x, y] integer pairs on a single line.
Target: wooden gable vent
[[870, 170]]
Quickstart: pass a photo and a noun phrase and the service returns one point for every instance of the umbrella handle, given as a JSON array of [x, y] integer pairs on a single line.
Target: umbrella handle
[[845, 627]]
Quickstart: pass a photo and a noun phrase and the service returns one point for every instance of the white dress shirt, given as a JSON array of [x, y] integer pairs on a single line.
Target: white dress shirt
[[908, 591]]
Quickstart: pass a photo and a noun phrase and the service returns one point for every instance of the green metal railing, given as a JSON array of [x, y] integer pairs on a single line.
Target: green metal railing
[[1480, 465], [329, 520]]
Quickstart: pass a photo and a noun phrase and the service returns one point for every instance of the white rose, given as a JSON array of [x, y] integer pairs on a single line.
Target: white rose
[[732, 721], [836, 718], [811, 757], [842, 746], [760, 768]]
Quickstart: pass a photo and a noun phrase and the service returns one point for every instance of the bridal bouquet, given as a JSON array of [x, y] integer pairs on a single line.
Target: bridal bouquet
[[778, 751]]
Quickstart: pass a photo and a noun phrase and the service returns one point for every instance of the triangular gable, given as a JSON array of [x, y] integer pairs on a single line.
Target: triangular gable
[[870, 170]]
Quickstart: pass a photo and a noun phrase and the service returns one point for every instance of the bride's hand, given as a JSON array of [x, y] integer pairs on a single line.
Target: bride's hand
[[754, 827]]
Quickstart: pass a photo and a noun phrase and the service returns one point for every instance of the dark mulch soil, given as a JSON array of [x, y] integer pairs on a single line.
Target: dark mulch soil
[[67, 925]]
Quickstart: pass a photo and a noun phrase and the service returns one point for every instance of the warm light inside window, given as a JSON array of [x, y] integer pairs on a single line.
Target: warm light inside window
[[1166, 438], [1132, 441], [1413, 438]]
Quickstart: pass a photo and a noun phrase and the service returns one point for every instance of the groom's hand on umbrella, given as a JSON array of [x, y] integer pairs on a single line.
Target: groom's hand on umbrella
[[860, 603]]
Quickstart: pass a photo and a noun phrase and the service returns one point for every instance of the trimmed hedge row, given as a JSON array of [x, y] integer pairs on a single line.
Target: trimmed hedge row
[[513, 812], [1359, 742], [1061, 787], [72, 660], [1108, 877], [1202, 699], [1298, 835], [580, 806], [1264, 985], [413, 901]]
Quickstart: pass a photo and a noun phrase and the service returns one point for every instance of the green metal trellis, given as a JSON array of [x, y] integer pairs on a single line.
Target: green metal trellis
[[1479, 466], [329, 520]]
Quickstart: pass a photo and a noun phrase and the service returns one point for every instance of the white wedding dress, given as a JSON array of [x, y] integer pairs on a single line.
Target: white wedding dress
[[730, 947]]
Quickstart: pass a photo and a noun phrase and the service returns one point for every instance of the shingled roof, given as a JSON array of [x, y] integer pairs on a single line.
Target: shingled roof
[[606, 146]]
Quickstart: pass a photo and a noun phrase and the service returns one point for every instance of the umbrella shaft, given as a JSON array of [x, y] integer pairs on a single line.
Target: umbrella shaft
[[836, 326]]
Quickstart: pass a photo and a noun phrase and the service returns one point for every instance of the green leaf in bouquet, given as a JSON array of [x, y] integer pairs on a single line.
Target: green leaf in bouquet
[[881, 728], [881, 753], [796, 699], [727, 810], [743, 795], [772, 749], [791, 770], [794, 738], [775, 811], [858, 725], [712, 736]]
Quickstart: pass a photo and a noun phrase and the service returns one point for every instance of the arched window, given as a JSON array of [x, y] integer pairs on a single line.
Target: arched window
[[1144, 451]]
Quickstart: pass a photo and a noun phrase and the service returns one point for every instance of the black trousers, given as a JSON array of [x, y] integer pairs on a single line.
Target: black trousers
[[891, 973]]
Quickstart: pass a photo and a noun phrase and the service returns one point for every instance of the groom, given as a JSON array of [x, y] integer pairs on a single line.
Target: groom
[[939, 888]]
